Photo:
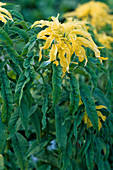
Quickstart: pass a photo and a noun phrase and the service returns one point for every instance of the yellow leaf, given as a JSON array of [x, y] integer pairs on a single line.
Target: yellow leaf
[[101, 115], [101, 107]]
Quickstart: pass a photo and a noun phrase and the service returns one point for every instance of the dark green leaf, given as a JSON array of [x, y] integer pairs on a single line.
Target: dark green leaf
[[24, 113], [20, 146], [7, 96], [100, 97], [22, 81], [92, 74], [2, 65], [35, 119], [56, 83], [21, 32], [2, 135], [74, 95], [4, 37], [36, 148], [13, 55], [85, 146], [89, 104], [89, 158], [13, 122], [61, 133]]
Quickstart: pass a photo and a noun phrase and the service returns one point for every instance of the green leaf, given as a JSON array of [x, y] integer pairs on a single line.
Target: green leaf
[[100, 97], [49, 158], [107, 152], [56, 83], [47, 91], [67, 155], [35, 119], [2, 135], [22, 81], [77, 121], [13, 122], [100, 163], [4, 37], [29, 60], [24, 113], [61, 131], [44, 64], [16, 14], [7, 96], [20, 147], [44, 110], [89, 158], [36, 148], [92, 74], [2, 65], [89, 105], [13, 55], [81, 70], [15, 68], [21, 32], [85, 146], [29, 45], [107, 165], [74, 95], [45, 167]]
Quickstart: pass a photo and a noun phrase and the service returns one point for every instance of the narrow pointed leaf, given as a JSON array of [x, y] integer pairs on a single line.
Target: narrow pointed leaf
[[20, 146], [89, 104], [61, 133], [7, 96], [56, 83], [74, 95]]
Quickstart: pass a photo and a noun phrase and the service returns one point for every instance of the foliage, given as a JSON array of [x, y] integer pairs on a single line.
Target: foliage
[[43, 122]]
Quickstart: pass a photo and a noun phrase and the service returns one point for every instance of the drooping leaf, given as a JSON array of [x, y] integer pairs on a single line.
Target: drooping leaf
[[100, 96], [74, 95], [17, 14], [4, 37], [7, 96], [47, 90], [22, 81], [92, 74], [2, 65], [13, 122], [21, 32], [107, 165], [20, 147], [89, 104], [29, 45], [89, 158], [35, 119], [24, 113], [36, 148], [77, 121], [44, 110], [61, 133], [85, 146], [56, 83], [15, 68], [100, 163], [2, 135], [14, 56], [49, 158]]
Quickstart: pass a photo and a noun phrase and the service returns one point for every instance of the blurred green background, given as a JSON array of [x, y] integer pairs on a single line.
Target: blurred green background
[[33, 10]]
